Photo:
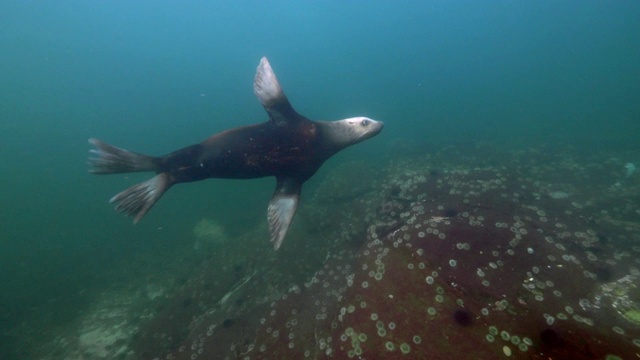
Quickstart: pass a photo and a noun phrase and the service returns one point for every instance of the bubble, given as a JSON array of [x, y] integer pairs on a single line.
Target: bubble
[[429, 280], [405, 348], [362, 337], [453, 263], [505, 335], [382, 332], [392, 325], [390, 346], [493, 330], [523, 347], [374, 316], [431, 311], [490, 338], [417, 339]]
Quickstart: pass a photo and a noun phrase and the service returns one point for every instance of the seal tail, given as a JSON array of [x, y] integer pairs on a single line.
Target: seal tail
[[112, 160], [137, 200]]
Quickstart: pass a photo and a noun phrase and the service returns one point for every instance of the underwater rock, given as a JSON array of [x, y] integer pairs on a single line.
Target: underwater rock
[[474, 262], [347, 182], [208, 229], [208, 233]]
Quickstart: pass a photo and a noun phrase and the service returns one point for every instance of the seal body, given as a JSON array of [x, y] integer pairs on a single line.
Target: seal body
[[250, 152], [289, 147]]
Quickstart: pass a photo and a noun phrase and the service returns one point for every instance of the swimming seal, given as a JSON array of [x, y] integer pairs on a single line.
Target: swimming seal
[[288, 146]]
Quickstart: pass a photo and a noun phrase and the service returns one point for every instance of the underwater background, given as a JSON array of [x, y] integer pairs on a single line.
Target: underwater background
[[552, 80]]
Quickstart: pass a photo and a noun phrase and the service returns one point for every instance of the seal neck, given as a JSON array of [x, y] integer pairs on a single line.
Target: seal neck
[[335, 136]]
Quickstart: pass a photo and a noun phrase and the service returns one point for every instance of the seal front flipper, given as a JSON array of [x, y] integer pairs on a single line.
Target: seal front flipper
[[282, 207], [268, 90]]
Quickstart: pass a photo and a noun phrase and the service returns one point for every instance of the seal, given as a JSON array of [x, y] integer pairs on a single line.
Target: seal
[[288, 146]]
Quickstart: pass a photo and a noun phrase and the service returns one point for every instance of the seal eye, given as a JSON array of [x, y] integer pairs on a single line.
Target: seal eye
[[364, 122]]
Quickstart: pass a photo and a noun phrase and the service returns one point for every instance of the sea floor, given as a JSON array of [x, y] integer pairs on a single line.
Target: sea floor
[[464, 252]]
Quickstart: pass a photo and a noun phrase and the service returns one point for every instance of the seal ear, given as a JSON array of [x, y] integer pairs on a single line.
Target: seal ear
[[281, 209]]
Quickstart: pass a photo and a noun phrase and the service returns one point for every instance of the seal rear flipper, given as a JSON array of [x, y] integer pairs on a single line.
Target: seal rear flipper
[[281, 209], [112, 160], [137, 200], [268, 90]]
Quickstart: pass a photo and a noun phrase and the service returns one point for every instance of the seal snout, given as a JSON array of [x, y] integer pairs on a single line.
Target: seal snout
[[376, 126]]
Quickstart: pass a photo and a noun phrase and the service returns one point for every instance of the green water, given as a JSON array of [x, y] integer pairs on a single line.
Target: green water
[[154, 76]]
